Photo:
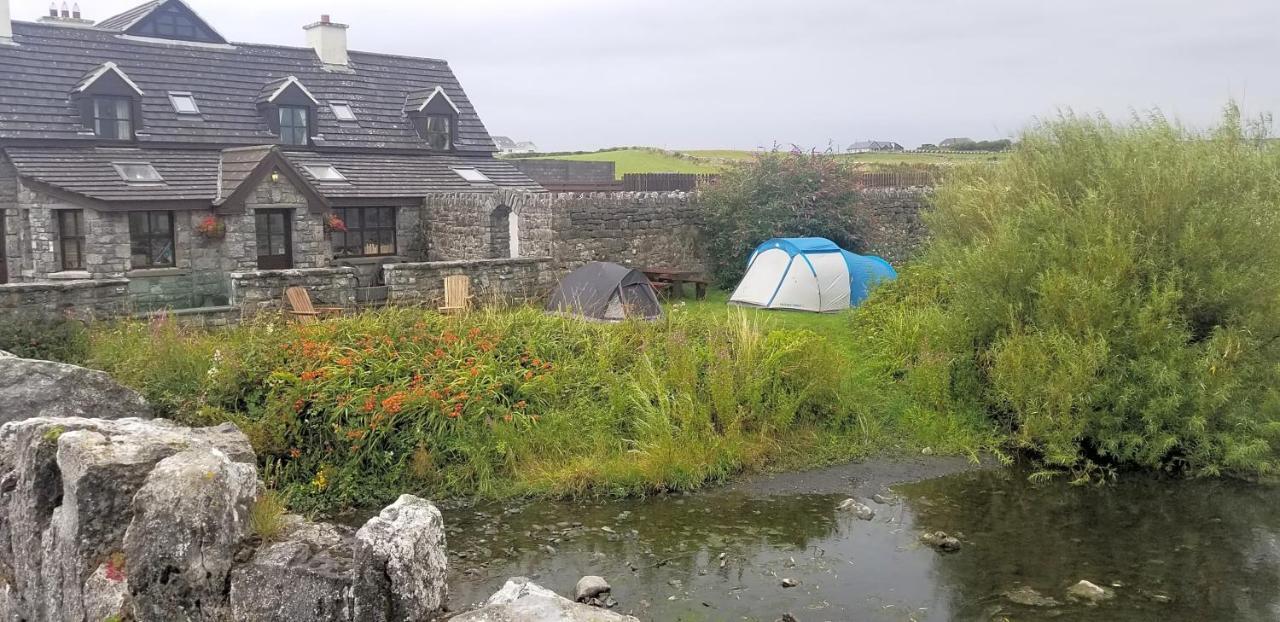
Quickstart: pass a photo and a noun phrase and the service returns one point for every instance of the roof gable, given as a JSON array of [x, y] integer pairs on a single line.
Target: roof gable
[[107, 74], [164, 19], [241, 170], [286, 90], [432, 100]]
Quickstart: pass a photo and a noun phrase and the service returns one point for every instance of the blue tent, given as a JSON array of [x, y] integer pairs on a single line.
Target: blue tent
[[809, 274]]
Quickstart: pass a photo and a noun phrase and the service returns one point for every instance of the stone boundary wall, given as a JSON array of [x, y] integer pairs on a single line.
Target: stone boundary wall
[[896, 231], [260, 290], [82, 299], [501, 281], [636, 229], [462, 226]]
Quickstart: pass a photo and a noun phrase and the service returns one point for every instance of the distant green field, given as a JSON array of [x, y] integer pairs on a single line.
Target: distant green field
[[644, 160]]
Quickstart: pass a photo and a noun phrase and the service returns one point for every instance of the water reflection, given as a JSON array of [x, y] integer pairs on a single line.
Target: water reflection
[[1176, 550]]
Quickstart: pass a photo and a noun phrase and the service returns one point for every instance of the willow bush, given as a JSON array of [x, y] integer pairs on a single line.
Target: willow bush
[[1108, 294]]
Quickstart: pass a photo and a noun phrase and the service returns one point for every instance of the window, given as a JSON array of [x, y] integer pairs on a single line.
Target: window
[[113, 118], [176, 22], [71, 238], [471, 175], [184, 103], [138, 172], [343, 111], [438, 131], [371, 232], [324, 172], [151, 239], [293, 125]]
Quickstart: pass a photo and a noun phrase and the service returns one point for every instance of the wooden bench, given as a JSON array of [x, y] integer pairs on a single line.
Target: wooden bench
[[298, 305], [666, 281]]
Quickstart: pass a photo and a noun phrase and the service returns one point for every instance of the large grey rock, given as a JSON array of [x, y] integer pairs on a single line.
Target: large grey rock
[[66, 499], [402, 561], [309, 575], [189, 519], [522, 600], [30, 388], [590, 587]]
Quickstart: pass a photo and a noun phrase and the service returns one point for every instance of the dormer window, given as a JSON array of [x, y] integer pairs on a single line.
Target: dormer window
[[109, 102], [438, 130], [435, 116], [113, 118], [295, 125]]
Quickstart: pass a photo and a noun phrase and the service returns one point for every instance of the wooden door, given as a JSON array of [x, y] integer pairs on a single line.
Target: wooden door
[[275, 238]]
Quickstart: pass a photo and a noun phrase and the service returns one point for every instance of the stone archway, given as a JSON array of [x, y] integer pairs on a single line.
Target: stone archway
[[504, 233]]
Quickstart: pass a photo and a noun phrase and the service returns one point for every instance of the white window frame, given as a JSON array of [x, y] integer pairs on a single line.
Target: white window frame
[[174, 96], [321, 172], [348, 116], [472, 174], [153, 178]]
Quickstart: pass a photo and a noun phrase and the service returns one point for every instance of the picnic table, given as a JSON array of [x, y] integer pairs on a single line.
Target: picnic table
[[666, 280]]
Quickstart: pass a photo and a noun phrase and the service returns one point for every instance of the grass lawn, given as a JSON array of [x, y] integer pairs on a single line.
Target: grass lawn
[[835, 327], [644, 161]]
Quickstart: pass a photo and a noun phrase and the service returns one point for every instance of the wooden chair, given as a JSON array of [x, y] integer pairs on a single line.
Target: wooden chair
[[457, 293], [300, 307]]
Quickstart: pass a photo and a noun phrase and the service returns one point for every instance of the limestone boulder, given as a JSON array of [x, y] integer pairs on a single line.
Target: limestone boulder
[[189, 519], [30, 388], [401, 559], [66, 500], [522, 600], [308, 575]]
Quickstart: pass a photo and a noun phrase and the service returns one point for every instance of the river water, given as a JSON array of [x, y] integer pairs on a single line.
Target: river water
[[1199, 550]]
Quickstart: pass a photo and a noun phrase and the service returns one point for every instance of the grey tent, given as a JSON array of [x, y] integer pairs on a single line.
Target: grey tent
[[605, 292]]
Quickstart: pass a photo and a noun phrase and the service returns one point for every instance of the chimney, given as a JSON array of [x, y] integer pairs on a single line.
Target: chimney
[[68, 15], [6, 26], [329, 41], [75, 10]]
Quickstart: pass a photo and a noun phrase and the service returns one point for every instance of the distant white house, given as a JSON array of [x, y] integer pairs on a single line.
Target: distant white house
[[506, 145], [874, 145]]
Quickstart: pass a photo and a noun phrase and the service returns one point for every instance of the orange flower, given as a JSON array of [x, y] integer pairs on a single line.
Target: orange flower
[[345, 361], [394, 403], [370, 403], [297, 406], [435, 395], [295, 453], [355, 435], [439, 353], [475, 371], [528, 375], [521, 404], [506, 418], [462, 397], [312, 375]]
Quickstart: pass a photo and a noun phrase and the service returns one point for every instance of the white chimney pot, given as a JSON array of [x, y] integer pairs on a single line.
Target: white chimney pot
[[6, 25], [329, 41]]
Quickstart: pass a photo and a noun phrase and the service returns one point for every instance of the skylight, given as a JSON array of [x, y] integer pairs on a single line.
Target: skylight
[[184, 103], [471, 175], [138, 172], [325, 172], [343, 111]]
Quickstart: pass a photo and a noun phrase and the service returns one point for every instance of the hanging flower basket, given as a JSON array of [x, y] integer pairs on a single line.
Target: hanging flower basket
[[333, 223], [211, 228]]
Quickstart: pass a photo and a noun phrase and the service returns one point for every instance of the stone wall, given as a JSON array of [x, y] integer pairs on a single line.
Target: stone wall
[[566, 172], [12, 221], [460, 226], [84, 299], [895, 230], [259, 290], [637, 229], [500, 281]]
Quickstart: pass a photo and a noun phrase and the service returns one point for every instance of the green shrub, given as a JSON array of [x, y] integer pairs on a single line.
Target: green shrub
[[44, 337], [354, 411], [779, 194], [1108, 294]]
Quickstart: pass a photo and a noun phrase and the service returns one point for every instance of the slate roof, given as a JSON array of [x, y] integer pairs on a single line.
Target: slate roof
[[197, 174], [40, 72], [127, 19], [188, 174]]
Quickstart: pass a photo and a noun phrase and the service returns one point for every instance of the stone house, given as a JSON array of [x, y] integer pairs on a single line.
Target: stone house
[[146, 162]]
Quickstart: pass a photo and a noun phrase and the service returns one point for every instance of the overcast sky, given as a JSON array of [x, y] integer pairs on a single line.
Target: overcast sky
[[584, 74]]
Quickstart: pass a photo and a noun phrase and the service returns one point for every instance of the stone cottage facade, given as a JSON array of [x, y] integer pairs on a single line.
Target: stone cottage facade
[[146, 162]]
